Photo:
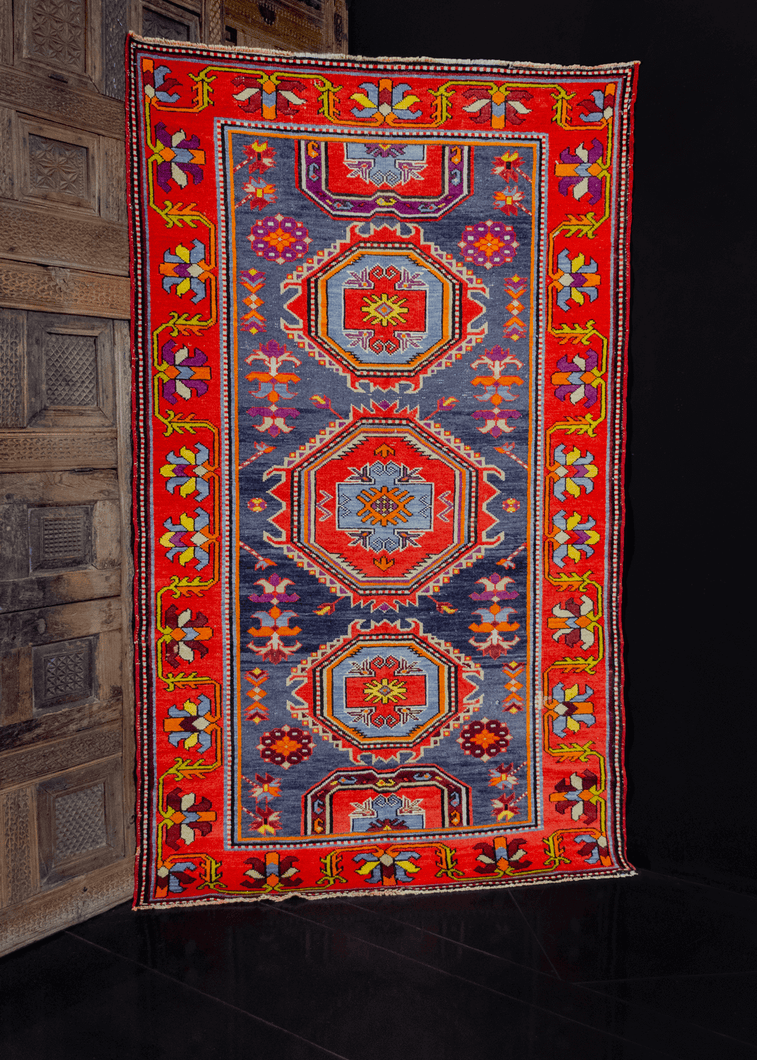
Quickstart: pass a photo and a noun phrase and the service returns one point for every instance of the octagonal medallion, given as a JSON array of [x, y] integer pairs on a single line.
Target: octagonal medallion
[[384, 307], [384, 507], [385, 692]]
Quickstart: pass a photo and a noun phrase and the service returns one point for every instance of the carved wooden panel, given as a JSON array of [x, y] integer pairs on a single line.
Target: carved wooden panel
[[19, 841], [12, 368], [57, 449], [55, 756], [112, 180], [8, 163], [64, 674], [59, 165], [55, 290], [60, 102], [80, 821], [60, 537], [170, 21], [59, 237], [73, 901], [70, 371], [115, 17], [55, 32], [58, 659]]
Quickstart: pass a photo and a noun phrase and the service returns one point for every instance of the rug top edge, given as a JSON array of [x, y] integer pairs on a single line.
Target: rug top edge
[[446, 60]]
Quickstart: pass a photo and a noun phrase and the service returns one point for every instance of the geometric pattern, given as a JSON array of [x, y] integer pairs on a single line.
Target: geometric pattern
[[379, 333]]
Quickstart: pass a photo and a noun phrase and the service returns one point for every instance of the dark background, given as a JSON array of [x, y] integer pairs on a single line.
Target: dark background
[[690, 607]]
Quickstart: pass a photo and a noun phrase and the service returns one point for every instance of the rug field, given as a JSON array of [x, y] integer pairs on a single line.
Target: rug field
[[379, 343]]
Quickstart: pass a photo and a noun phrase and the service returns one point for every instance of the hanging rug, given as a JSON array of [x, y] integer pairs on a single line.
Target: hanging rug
[[379, 338]]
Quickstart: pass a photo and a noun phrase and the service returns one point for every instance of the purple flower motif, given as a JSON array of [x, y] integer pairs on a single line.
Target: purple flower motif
[[581, 172], [186, 270], [178, 156], [576, 378], [489, 243], [157, 84], [280, 239], [182, 373]]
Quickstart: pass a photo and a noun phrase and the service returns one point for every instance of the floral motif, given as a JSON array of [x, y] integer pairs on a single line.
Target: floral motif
[[183, 374], [497, 105], [508, 166], [581, 172], [190, 725], [577, 796], [268, 96], [273, 385], [274, 623], [501, 855], [189, 539], [573, 537], [510, 505], [258, 193], [253, 282], [286, 746], [573, 471], [186, 635], [484, 738], [157, 83], [175, 879], [576, 378], [187, 270], [385, 102], [503, 776], [489, 243], [574, 621], [257, 504], [188, 470], [188, 816], [497, 384], [514, 701], [510, 201], [280, 239], [257, 156], [577, 279], [271, 871], [495, 620], [179, 157], [387, 867], [600, 106], [593, 849], [572, 709]]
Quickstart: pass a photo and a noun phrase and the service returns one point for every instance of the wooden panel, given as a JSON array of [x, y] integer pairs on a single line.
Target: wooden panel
[[55, 290], [59, 102], [64, 674], [8, 160], [18, 819], [59, 39], [54, 237], [54, 589], [112, 180], [53, 450], [12, 369], [17, 766], [161, 18], [70, 371], [59, 165], [80, 821], [69, 904], [58, 725], [49, 625]]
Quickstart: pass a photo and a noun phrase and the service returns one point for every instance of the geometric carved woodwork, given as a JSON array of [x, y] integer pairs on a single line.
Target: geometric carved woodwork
[[12, 368], [19, 828], [78, 107], [56, 290], [59, 165], [70, 371], [52, 450], [55, 32], [63, 674], [169, 21], [80, 821], [114, 28], [54, 237], [60, 537], [58, 755]]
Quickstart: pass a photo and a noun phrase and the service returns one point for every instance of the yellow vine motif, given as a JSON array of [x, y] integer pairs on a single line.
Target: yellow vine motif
[[203, 96], [553, 844], [447, 863], [331, 866]]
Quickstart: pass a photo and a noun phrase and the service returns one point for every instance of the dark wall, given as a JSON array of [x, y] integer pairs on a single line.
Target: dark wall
[[689, 617]]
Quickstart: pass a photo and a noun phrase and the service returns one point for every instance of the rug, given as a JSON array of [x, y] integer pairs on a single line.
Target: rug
[[379, 339]]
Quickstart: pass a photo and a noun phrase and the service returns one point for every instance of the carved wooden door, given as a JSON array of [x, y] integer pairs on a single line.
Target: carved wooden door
[[66, 697]]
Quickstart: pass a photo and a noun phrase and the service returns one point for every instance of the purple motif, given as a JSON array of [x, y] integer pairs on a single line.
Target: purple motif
[[183, 372], [181, 157], [280, 239], [581, 173], [577, 378]]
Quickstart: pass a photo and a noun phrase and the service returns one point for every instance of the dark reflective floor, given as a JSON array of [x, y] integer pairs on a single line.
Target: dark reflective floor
[[608, 970]]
